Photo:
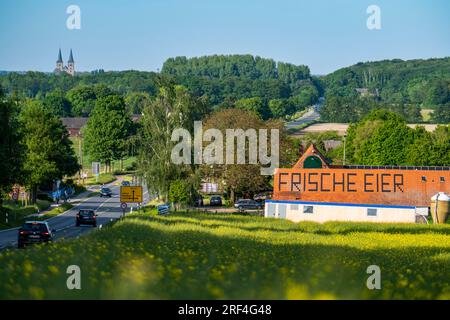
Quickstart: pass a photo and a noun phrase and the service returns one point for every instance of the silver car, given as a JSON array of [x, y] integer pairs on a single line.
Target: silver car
[[244, 204]]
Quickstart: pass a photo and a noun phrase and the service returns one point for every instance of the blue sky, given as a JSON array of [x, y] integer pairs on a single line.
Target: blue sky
[[142, 34]]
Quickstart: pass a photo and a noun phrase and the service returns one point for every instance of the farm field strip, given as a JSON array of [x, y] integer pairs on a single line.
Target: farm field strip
[[223, 256]]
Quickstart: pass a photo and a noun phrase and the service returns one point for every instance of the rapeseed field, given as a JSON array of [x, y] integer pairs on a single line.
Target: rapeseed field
[[220, 256]]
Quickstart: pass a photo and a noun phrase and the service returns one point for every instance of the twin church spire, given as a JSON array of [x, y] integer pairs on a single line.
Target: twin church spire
[[60, 67]]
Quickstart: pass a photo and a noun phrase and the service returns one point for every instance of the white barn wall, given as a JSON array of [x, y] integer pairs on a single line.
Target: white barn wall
[[322, 212]]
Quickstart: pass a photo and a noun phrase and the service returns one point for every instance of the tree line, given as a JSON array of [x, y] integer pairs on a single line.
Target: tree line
[[353, 109], [174, 107], [243, 66], [222, 80], [404, 87], [383, 138], [227, 80], [34, 146], [34, 84]]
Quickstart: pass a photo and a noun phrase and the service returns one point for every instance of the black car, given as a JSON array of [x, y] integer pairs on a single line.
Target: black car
[[126, 183], [105, 192], [86, 216], [199, 201], [215, 201], [34, 232], [244, 204]]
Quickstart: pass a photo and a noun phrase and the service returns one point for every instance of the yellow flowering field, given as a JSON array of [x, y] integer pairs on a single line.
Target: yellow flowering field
[[224, 256]]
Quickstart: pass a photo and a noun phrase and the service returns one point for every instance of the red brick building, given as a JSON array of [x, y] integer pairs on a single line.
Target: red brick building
[[391, 189]]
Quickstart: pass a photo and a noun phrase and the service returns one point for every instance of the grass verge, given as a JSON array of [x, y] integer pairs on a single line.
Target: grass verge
[[56, 211], [17, 214], [295, 130], [103, 178]]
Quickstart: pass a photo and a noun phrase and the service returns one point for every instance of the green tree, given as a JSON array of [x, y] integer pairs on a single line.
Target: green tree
[[339, 109], [256, 105], [172, 108], [412, 113], [136, 102], [307, 95], [49, 154], [441, 114], [440, 146], [278, 108], [107, 130], [383, 138], [380, 138], [11, 147], [102, 90], [245, 179], [180, 192], [420, 151], [438, 92], [82, 99]]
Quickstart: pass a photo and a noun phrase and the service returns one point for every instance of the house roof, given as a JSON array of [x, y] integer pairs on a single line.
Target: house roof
[[74, 123], [362, 90], [331, 144], [79, 122], [136, 117], [311, 151]]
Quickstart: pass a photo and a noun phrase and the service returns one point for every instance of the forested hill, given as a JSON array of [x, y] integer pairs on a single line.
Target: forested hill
[[243, 66], [226, 79], [396, 81], [271, 89]]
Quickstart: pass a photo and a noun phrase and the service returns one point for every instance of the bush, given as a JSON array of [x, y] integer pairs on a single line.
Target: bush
[[79, 189], [179, 192], [44, 196], [131, 167]]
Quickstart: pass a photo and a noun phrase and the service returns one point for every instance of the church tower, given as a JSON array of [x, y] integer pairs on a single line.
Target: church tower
[[59, 63], [71, 64]]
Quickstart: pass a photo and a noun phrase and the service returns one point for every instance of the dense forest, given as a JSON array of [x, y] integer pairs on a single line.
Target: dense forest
[[244, 79], [37, 84], [242, 66], [271, 89], [405, 87]]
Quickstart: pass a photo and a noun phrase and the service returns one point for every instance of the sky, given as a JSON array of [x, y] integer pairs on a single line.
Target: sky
[[142, 34]]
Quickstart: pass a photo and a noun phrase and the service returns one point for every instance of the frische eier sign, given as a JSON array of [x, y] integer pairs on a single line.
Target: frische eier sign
[[340, 182], [363, 186]]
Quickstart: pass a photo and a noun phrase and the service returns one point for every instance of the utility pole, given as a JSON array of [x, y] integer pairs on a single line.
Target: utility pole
[[80, 158], [80, 150], [345, 139]]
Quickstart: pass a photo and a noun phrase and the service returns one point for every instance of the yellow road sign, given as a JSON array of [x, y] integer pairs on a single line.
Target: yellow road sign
[[130, 194]]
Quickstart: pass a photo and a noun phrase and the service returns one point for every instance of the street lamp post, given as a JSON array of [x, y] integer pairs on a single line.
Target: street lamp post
[[345, 139], [80, 153]]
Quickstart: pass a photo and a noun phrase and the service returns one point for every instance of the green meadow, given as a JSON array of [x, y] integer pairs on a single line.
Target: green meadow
[[220, 256]]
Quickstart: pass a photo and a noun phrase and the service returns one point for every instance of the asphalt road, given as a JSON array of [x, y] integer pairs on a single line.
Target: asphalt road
[[311, 115], [107, 209]]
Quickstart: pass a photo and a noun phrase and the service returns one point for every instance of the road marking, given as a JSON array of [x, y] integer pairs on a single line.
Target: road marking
[[74, 208], [72, 225]]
